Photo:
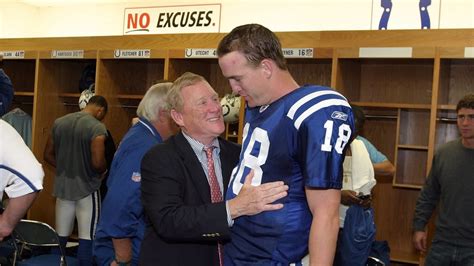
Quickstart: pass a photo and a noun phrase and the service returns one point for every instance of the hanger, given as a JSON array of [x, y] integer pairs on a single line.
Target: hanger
[[18, 111]]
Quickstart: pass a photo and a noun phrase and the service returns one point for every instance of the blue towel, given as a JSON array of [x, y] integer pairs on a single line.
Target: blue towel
[[357, 236]]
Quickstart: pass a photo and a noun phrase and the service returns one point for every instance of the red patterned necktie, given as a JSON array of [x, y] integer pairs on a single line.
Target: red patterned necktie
[[216, 195]]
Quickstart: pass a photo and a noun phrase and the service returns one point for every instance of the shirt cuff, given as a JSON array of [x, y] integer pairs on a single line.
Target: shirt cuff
[[418, 226], [230, 221]]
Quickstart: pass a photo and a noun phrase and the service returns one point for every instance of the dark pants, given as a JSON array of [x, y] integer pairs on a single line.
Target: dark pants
[[445, 254]]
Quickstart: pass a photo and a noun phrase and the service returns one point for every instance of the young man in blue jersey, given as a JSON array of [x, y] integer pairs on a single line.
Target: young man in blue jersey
[[296, 134]]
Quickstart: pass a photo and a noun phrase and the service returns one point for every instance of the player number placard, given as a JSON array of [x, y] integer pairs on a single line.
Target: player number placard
[[298, 52], [19, 54]]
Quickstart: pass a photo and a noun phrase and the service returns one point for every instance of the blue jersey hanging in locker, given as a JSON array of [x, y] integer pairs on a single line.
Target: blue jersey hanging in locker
[[299, 139]]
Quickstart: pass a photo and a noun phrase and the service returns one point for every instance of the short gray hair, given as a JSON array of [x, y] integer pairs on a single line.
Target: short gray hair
[[154, 101], [175, 100]]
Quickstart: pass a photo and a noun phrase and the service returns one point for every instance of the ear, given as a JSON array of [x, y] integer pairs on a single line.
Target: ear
[[267, 67], [177, 117], [163, 115], [100, 113]]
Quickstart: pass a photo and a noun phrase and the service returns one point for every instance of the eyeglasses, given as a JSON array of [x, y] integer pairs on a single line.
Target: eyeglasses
[[469, 117]]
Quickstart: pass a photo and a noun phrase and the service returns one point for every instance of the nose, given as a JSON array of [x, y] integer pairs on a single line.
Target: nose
[[215, 107], [465, 121], [235, 87]]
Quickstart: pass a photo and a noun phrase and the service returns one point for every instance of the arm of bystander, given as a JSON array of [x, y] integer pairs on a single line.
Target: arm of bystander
[[98, 154]]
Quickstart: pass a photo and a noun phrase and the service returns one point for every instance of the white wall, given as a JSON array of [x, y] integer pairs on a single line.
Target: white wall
[[19, 20], [457, 14], [298, 15]]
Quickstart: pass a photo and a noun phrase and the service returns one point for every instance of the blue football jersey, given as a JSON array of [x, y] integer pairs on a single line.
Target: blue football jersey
[[299, 139]]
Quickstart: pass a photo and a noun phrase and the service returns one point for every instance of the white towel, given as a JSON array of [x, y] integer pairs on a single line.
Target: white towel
[[358, 174], [363, 179]]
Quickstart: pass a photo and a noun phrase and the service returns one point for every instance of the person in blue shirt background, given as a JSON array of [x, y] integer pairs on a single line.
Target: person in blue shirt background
[[357, 227], [121, 224], [382, 166], [380, 162]]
